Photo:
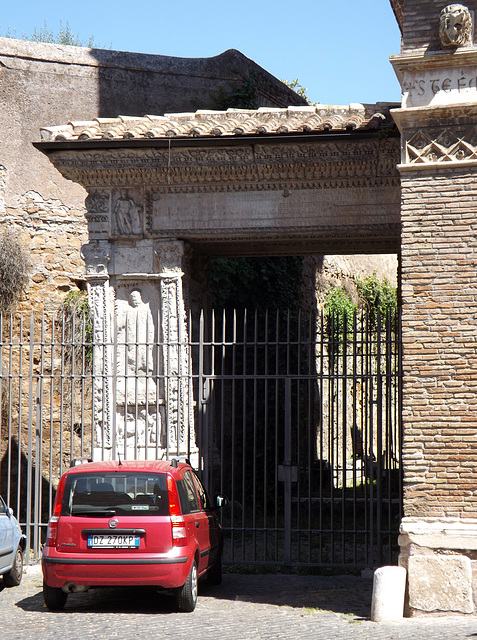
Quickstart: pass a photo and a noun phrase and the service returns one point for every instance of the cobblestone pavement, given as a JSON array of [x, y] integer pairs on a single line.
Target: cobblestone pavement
[[244, 607]]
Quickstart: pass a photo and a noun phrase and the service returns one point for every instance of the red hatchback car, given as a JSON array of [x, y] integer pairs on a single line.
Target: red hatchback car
[[131, 523]]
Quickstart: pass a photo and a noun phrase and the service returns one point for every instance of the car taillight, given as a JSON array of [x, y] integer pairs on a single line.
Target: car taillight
[[179, 531], [52, 530]]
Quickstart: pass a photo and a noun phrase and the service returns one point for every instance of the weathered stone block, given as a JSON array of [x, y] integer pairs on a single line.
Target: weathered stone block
[[440, 583]]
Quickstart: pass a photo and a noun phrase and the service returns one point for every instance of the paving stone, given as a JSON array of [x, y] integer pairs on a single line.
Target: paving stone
[[244, 607]]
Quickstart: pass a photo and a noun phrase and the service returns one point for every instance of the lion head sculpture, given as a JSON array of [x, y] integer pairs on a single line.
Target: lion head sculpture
[[456, 26]]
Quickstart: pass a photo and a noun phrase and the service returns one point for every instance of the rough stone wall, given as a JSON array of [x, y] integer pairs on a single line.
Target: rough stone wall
[[439, 254], [420, 28], [45, 85]]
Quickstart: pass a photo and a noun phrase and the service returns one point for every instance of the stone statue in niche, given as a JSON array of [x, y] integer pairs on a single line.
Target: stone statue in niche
[[456, 27], [127, 216]]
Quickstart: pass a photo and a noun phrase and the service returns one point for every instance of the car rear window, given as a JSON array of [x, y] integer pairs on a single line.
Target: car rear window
[[107, 494]]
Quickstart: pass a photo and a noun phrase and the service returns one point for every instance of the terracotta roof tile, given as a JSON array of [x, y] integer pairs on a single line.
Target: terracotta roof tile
[[233, 122]]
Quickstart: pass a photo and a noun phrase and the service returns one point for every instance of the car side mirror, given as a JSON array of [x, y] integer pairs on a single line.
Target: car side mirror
[[9, 512], [221, 501]]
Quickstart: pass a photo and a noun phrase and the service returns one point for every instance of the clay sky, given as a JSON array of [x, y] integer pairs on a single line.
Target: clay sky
[[338, 49]]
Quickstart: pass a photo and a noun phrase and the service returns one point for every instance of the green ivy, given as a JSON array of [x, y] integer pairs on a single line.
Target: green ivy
[[377, 297]]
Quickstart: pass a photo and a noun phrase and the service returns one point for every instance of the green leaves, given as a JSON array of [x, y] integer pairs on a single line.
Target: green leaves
[[377, 299]]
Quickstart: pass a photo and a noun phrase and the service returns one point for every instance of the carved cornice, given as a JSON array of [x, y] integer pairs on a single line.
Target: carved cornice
[[252, 167]]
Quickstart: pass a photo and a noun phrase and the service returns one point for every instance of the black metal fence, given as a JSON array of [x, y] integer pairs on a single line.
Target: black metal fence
[[297, 420], [300, 426]]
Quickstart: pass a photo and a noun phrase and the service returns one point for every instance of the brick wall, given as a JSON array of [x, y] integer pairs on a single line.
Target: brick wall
[[421, 23], [439, 259]]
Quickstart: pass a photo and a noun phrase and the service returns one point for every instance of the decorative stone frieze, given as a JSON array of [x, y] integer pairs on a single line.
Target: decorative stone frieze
[[98, 205], [257, 167], [453, 144]]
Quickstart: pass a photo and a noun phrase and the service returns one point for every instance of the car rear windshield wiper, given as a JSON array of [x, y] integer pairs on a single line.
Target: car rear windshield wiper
[[95, 513]]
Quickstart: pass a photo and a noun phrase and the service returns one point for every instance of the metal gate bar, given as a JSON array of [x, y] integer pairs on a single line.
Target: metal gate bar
[[309, 436], [297, 420]]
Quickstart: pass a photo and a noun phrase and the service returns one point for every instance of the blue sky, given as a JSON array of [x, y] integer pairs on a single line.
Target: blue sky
[[338, 49]]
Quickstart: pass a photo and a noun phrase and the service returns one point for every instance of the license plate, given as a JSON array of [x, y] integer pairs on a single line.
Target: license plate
[[102, 541]]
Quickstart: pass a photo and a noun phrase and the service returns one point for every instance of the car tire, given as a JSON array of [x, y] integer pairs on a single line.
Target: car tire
[[14, 576], [54, 597], [214, 574], [186, 596]]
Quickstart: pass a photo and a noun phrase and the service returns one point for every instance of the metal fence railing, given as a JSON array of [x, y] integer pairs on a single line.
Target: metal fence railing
[[297, 418]]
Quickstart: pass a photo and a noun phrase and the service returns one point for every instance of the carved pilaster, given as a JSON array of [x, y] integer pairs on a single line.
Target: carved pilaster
[[176, 355], [97, 255]]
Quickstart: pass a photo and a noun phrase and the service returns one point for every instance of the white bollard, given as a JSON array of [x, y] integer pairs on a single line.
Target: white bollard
[[389, 586]]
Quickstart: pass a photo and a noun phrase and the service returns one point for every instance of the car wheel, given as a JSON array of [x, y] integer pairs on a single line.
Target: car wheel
[[214, 574], [186, 597], [14, 576], [54, 597]]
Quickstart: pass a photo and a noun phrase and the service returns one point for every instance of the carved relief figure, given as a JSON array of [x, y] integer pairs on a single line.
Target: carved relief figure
[[127, 217], [136, 330], [456, 26]]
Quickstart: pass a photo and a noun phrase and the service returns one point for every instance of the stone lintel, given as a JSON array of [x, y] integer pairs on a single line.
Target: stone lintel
[[439, 533]]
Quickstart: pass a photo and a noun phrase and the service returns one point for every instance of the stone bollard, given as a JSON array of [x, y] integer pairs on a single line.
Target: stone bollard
[[389, 585]]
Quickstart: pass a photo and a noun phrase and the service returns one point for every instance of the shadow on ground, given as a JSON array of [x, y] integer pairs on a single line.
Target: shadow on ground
[[346, 595], [350, 595]]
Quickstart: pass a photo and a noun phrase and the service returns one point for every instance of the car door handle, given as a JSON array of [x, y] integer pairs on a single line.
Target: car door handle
[[197, 524]]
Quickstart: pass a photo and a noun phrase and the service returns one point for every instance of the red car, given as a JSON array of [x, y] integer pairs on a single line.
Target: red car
[[131, 523]]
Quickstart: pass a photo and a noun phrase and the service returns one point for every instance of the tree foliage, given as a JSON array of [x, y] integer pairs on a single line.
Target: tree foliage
[[299, 89], [14, 271]]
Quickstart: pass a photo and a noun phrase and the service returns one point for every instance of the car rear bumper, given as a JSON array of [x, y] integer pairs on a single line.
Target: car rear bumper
[[166, 571]]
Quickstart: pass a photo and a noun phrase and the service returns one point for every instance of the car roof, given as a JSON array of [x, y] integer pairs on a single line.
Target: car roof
[[142, 466]]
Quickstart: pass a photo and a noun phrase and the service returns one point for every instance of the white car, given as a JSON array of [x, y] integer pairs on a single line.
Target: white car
[[12, 547]]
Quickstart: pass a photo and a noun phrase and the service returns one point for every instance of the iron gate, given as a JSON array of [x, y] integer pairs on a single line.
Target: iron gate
[[297, 421], [300, 426]]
